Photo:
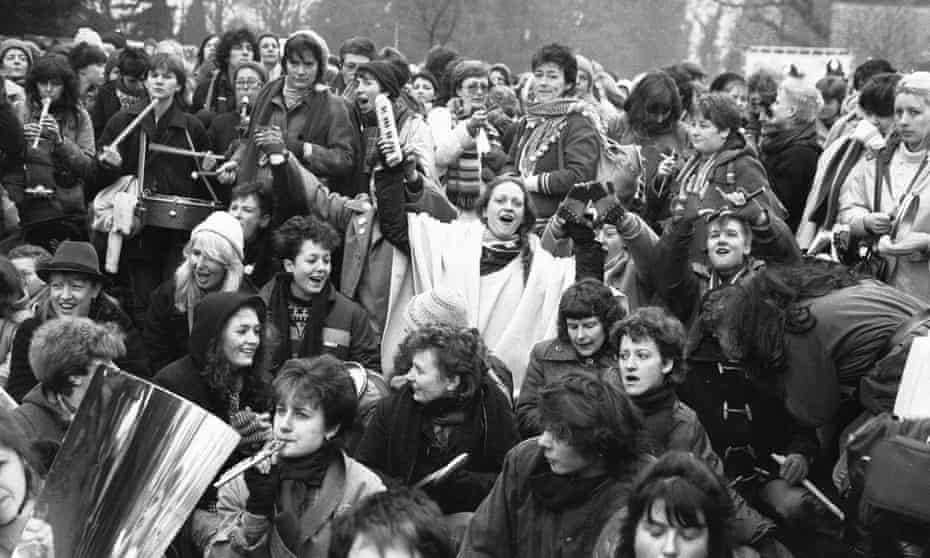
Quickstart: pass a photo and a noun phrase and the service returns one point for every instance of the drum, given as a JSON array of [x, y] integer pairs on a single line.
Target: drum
[[175, 212], [130, 470]]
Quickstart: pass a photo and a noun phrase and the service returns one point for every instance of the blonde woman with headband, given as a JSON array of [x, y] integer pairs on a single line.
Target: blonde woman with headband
[[887, 201]]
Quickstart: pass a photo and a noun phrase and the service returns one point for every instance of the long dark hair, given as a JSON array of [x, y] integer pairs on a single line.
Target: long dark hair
[[54, 68], [220, 375], [754, 316], [526, 226], [656, 93]]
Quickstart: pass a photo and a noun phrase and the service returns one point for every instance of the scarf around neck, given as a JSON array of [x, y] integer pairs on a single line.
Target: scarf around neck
[[544, 124], [559, 492]]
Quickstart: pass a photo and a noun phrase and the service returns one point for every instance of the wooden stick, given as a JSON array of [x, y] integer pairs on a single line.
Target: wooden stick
[[46, 104], [443, 472], [780, 459], [198, 174], [162, 148], [132, 125]]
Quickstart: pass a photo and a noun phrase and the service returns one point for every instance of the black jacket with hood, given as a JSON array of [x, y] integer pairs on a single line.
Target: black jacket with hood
[[790, 159], [185, 376]]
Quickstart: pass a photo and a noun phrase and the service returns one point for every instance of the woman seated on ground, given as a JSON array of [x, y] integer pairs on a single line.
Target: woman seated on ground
[[212, 263], [309, 314], [226, 373], [65, 353], [678, 507], [556, 492], [448, 407], [289, 510], [587, 311], [75, 289]]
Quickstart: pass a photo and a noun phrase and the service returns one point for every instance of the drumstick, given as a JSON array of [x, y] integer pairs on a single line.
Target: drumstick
[[46, 104], [162, 148], [780, 459], [197, 174], [132, 125]]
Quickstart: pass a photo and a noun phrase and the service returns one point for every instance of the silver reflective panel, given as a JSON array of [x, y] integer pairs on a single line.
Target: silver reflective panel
[[134, 463]]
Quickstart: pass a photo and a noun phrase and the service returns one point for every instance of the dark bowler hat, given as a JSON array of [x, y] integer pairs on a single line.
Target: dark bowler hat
[[74, 257]]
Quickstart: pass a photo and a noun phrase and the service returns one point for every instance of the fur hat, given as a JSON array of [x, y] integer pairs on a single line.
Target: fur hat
[[441, 305], [385, 73], [226, 226], [64, 346]]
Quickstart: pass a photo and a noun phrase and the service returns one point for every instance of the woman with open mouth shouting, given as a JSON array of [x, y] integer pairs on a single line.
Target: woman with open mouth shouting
[[311, 316], [288, 510], [511, 285], [212, 263]]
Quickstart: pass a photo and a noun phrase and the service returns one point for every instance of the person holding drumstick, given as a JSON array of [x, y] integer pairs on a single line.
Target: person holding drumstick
[[155, 252]]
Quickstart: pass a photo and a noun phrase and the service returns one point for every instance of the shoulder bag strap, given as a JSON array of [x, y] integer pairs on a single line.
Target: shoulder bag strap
[[880, 171], [206, 182]]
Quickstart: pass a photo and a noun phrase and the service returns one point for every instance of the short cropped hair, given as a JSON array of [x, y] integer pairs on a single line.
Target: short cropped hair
[[561, 56], [359, 46], [86, 54], [133, 62], [653, 322], [63, 347], [458, 352], [865, 71], [290, 236], [258, 189], [467, 69], [323, 383], [832, 88], [588, 298], [399, 517], [721, 109], [596, 419], [877, 95]]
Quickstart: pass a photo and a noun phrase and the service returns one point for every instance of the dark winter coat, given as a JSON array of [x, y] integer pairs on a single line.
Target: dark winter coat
[[790, 159], [345, 333], [39, 419], [164, 173], [572, 159], [102, 310], [550, 360], [184, 376], [394, 445], [513, 523], [165, 329]]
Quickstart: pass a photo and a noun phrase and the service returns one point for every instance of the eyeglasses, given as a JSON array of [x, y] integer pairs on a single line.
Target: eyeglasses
[[247, 83]]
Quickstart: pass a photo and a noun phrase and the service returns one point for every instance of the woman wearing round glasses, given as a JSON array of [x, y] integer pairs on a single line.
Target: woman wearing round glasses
[[227, 129], [463, 133]]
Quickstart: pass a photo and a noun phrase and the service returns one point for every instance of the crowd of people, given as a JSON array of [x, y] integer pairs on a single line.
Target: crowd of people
[[640, 317]]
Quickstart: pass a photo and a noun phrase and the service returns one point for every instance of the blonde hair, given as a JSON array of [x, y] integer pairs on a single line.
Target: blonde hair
[[186, 292], [804, 97]]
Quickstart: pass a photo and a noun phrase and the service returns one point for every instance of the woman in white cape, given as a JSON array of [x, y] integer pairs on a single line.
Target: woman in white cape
[[511, 285]]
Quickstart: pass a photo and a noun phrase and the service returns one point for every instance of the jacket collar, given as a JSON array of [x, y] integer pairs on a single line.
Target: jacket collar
[[561, 351]]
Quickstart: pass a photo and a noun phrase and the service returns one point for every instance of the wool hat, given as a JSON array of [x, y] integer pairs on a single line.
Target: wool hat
[[75, 257], [66, 345], [385, 73], [225, 226], [24, 46], [440, 305], [89, 36]]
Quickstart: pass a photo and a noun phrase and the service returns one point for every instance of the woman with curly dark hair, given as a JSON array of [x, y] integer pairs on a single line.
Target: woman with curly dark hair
[[448, 407], [556, 491], [587, 311], [217, 94], [310, 315]]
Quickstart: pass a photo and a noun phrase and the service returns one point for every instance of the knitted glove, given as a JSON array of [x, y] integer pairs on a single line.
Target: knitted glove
[[262, 491], [686, 209], [573, 224], [743, 206], [252, 430], [609, 211]]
